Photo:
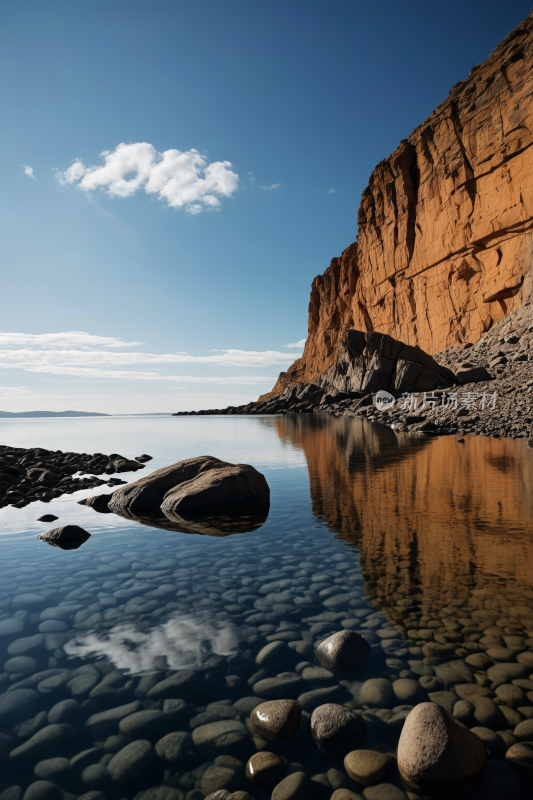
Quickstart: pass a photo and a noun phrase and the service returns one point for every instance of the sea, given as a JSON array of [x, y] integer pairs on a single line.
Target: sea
[[131, 666]]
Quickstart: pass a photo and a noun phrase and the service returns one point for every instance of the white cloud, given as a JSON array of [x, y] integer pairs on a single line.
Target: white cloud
[[332, 191], [273, 186], [181, 179], [28, 171], [66, 339], [297, 345], [111, 374]]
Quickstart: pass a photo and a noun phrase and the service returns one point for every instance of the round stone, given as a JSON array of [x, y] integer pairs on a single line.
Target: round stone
[[344, 650], [229, 736], [273, 655], [47, 742], [53, 769], [175, 749], [42, 790], [53, 626], [151, 724], [11, 626], [520, 757], [376, 693], [346, 794], [409, 691], [20, 664], [64, 711], [17, 704], [28, 600], [524, 730], [277, 719], [95, 776], [22, 646], [130, 762], [265, 767], [366, 766], [293, 787], [227, 773], [334, 725]]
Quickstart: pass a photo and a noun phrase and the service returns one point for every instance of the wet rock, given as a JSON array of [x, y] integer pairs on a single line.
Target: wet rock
[[109, 720], [185, 682], [130, 762], [64, 711], [265, 768], [54, 769], [293, 787], [492, 740], [505, 673], [451, 755], [366, 766], [288, 684], [86, 757], [511, 695], [95, 776], [47, 518], [273, 655], [99, 502], [42, 790], [524, 730], [229, 736], [335, 727], [226, 773], [175, 749], [177, 710], [20, 664], [328, 694], [49, 741], [144, 725], [409, 691], [65, 536], [376, 693], [11, 626], [346, 794], [162, 793], [344, 650], [277, 719], [384, 791], [219, 486], [30, 726], [520, 757]]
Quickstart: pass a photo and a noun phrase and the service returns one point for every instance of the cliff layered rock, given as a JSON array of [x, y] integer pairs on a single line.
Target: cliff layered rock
[[444, 247]]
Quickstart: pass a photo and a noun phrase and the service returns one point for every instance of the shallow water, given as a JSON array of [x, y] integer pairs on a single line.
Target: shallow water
[[422, 545]]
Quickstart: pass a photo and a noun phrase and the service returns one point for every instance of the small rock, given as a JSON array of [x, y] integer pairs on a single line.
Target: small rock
[[175, 749], [229, 736], [366, 766], [293, 787], [131, 761], [344, 650], [47, 518], [277, 719], [334, 726], [265, 768], [42, 790]]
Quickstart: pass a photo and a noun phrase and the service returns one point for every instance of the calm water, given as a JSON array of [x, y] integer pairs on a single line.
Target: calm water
[[422, 545]]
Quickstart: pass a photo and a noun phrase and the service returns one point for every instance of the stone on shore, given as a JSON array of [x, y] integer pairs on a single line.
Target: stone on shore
[[277, 719], [68, 537], [435, 751], [344, 650]]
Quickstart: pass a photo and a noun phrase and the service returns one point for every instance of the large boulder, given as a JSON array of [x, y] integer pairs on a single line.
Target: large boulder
[[150, 491], [368, 362], [195, 484], [227, 485], [435, 751]]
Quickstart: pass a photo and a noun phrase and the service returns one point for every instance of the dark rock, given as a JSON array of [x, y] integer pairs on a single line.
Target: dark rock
[[335, 727], [49, 741], [265, 768], [475, 375], [99, 503], [223, 486], [131, 761], [17, 703], [277, 719], [47, 518], [366, 766], [142, 459], [293, 787], [175, 749], [42, 790], [68, 537], [345, 650]]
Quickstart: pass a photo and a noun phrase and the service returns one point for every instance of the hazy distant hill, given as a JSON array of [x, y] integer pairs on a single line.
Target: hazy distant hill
[[51, 414]]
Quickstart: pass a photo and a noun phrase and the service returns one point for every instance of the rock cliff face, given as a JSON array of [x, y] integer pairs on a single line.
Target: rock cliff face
[[444, 248]]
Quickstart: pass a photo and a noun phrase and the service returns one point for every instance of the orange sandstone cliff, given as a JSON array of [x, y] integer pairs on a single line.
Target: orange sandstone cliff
[[445, 225]]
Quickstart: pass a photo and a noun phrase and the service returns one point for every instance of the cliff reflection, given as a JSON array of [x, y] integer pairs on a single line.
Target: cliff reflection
[[437, 524]]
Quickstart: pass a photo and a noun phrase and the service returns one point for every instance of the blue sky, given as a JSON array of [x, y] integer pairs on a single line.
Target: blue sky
[[186, 291]]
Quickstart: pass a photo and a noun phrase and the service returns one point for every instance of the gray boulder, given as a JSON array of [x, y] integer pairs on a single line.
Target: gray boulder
[[368, 362]]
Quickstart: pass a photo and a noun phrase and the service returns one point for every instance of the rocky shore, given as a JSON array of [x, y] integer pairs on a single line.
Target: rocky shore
[[33, 474], [489, 392]]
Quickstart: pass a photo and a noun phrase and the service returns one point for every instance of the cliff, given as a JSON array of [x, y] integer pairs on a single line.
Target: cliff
[[444, 247]]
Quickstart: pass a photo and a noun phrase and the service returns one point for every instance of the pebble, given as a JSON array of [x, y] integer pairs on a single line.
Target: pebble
[[344, 650], [47, 742], [230, 736], [42, 790], [293, 787], [131, 761], [20, 664], [376, 692], [11, 626], [277, 719], [226, 773], [265, 768], [366, 766], [335, 726], [144, 725]]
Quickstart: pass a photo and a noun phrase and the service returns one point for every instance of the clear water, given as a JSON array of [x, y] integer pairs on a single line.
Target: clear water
[[416, 543]]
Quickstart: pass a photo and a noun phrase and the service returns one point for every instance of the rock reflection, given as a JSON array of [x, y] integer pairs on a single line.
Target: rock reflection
[[180, 643], [440, 528], [222, 522]]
